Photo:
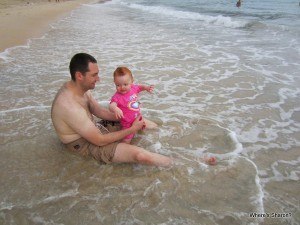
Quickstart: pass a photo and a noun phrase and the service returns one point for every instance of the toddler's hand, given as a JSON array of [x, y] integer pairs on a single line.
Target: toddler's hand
[[150, 88], [118, 113]]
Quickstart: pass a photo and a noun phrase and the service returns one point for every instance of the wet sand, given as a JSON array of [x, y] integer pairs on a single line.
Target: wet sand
[[25, 19]]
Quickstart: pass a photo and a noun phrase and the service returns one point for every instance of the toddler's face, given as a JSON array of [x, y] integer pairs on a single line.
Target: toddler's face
[[123, 83]]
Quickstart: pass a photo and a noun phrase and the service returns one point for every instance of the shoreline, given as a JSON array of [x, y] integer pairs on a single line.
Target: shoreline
[[22, 20]]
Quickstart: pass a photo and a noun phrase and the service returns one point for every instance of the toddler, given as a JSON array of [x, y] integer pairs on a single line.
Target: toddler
[[124, 103]]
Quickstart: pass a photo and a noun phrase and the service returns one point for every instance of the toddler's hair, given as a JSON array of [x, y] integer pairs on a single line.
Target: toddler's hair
[[122, 71]]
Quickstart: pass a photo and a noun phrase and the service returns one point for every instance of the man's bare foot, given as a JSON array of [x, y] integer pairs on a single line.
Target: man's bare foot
[[211, 160]]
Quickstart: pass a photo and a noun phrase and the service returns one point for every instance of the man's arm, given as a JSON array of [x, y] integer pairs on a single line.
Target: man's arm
[[80, 122], [99, 111]]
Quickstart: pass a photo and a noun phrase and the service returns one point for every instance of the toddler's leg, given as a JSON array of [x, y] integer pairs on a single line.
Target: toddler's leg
[[127, 141], [128, 138], [150, 124]]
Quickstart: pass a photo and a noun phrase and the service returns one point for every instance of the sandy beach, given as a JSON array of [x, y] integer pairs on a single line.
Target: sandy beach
[[24, 19]]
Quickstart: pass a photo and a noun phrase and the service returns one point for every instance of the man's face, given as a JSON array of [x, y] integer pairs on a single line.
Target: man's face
[[91, 77]]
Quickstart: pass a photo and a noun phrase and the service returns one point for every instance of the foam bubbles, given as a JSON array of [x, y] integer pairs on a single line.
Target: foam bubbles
[[215, 20]]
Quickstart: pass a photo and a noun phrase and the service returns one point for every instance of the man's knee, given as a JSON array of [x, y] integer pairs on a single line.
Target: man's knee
[[142, 157]]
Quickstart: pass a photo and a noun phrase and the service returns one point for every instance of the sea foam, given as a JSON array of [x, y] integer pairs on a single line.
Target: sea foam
[[215, 20]]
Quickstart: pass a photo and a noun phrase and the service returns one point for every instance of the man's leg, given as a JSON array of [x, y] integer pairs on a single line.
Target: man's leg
[[126, 153]]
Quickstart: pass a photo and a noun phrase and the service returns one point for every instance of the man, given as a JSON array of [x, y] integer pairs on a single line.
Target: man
[[73, 111]]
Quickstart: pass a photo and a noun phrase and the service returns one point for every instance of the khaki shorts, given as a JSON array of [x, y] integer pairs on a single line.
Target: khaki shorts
[[102, 154]]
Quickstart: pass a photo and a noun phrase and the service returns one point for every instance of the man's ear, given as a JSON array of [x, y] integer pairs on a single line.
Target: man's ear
[[78, 75]]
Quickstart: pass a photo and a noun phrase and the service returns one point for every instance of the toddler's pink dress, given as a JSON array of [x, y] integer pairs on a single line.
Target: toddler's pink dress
[[129, 105]]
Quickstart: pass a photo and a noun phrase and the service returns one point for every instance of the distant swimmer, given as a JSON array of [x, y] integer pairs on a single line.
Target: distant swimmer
[[238, 4]]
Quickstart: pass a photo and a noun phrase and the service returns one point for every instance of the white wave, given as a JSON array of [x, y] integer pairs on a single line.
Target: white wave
[[25, 108], [238, 147], [258, 200], [69, 193], [6, 54], [287, 174], [152, 186], [215, 20]]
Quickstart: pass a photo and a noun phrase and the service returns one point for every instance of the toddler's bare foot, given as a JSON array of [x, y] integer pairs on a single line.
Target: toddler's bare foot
[[127, 141]]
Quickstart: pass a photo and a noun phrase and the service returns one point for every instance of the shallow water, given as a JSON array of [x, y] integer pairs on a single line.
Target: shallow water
[[226, 84]]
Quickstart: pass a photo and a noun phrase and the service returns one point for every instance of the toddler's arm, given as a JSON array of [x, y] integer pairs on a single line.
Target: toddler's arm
[[116, 110], [148, 88]]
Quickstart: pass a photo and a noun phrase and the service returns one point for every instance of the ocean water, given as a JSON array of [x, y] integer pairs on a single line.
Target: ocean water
[[226, 84]]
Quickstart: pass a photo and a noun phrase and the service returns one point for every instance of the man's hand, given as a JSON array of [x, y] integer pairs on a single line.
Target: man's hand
[[138, 123]]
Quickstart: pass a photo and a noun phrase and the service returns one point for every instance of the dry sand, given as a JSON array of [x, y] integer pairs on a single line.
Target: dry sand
[[24, 19]]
